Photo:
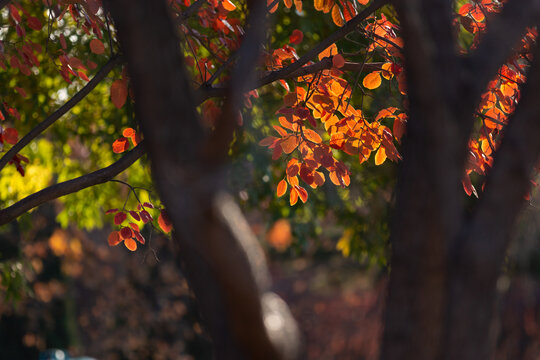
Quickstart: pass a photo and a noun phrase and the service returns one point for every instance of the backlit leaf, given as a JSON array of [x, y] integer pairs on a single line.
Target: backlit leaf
[[130, 244], [120, 145], [164, 222], [10, 135], [281, 188], [372, 80], [228, 5], [296, 37], [380, 156], [114, 238], [293, 197], [145, 216]]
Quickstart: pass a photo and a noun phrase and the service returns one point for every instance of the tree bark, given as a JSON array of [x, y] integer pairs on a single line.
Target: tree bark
[[223, 262]]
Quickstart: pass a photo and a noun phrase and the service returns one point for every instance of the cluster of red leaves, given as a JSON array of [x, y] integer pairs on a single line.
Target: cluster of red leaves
[[131, 233]]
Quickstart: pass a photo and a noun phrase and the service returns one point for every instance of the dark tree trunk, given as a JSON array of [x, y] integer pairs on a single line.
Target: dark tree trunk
[[222, 260]]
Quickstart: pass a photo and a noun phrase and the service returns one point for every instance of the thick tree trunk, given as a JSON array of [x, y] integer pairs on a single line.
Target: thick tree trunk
[[445, 262], [223, 261]]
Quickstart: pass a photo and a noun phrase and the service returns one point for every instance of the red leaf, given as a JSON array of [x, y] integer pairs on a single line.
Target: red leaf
[[119, 218], [97, 47], [126, 233], [146, 217], [134, 226], [338, 61], [148, 205], [111, 211], [134, 215], [139, 237], [34, 23], [164, 222], [302, 193], [119, 93], [11, 136], [296, 37]]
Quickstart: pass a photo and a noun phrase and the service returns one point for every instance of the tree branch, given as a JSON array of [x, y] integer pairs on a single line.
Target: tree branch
[[204, 93], [38, 129], [68, 187], [503, 35]]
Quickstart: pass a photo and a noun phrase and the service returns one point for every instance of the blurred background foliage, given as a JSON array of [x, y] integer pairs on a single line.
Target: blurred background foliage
[[62, 286]]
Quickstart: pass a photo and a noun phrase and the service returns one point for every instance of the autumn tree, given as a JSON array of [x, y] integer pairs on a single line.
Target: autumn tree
[[464, 79]]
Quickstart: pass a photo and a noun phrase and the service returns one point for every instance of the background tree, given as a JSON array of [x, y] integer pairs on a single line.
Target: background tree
[[446, 257]]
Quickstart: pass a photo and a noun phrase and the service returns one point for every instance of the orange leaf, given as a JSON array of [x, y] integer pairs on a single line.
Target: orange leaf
[[267, 141], [372, 80], [312, 136], [387, 71], [380, 156], [289, 144], [134, 226], [293, 197], [11, 135], [128, 132], [337, 16], [302, 193], [338, 61], [114, 238], [329, 51], [120, 145], [96, 46], [228, 5], [280, 130], [119, 93], [281, 188], [130, 244], [269, 2], [164, 222]]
